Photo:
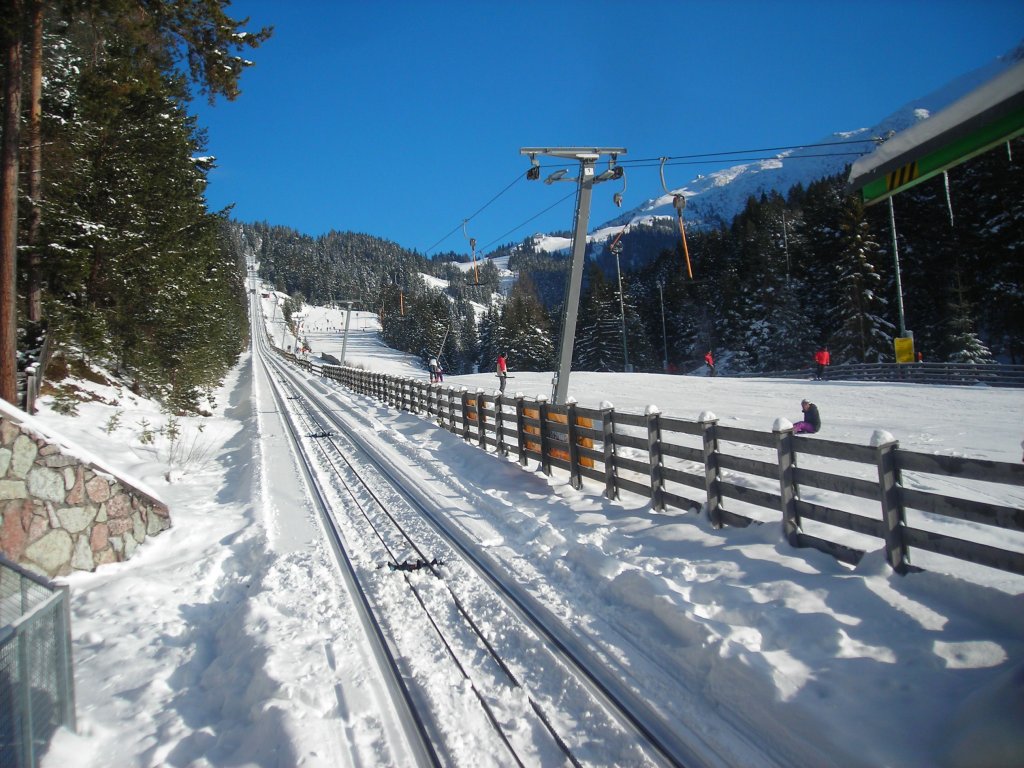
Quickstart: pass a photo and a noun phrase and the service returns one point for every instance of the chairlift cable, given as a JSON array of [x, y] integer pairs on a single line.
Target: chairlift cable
[[479, 210], [524, 223], [691, 159]]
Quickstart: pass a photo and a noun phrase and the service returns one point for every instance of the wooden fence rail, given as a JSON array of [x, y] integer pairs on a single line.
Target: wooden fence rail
[[826, 494]]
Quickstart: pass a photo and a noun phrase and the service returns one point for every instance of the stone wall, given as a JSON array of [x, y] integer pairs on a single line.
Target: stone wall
[[59, 513]]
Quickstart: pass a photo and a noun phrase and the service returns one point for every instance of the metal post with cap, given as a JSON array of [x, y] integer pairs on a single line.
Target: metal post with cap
[[587, 158]]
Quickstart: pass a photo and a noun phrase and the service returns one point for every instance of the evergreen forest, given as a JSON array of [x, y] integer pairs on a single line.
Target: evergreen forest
[[108, 245]]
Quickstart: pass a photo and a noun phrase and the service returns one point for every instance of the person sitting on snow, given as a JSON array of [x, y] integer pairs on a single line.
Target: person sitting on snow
[[811, 422]]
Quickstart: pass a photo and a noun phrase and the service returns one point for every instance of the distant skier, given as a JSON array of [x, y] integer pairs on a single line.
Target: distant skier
[[822, 358], [710, 361], [811, 422], [502, 373], [435, 370]]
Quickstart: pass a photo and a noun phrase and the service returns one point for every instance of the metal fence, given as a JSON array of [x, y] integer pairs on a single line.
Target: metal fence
[[30, 375], [36, 683], [836, 497]]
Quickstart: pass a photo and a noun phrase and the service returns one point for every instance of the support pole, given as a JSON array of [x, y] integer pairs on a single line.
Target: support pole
[[587, 158], [664, 336], [344, 339], [896, 262], [622, 309], [560, 385]]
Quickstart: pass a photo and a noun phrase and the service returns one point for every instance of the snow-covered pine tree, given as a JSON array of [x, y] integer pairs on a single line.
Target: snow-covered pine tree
[[598, 343], [528, 339], [862, 332], [962, 342]]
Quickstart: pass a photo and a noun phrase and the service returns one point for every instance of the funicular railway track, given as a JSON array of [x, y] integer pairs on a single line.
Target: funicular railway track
[[472, 671]]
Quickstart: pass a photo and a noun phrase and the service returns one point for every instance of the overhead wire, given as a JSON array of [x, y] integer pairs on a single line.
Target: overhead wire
[[846, 142], [523, 224], [481, 209], [704, 158]]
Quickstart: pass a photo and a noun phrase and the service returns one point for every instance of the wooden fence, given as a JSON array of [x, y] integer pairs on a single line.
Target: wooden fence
[[861, 494]]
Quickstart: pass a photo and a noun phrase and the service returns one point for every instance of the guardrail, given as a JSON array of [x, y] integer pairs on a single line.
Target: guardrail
[[965, 374], [836, 497], [36, 683]]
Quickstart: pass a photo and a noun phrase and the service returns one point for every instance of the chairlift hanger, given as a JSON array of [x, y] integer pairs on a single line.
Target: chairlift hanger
[[679, 203], [472, 248]]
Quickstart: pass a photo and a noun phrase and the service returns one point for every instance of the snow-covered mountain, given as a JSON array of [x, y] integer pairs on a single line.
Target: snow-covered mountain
[[721, 195]]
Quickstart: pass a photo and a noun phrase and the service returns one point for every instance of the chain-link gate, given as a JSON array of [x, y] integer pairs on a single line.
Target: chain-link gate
[[36, 683]]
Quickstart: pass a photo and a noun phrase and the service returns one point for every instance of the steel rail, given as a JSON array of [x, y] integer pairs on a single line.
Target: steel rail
[[414, 729], [626, 705]]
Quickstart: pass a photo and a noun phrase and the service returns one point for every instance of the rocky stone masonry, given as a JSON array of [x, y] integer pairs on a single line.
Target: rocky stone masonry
[[59, 513]]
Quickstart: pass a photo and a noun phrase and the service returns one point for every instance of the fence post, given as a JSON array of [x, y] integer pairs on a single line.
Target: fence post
[[499, 426], [542, 413], [65, 676], [24, 703], [481, 426], [708, 421], [785, 444], [892, 507], [575, 478], [464, 404], [30, 389], [611, 488], [654, 453], [521, 429]]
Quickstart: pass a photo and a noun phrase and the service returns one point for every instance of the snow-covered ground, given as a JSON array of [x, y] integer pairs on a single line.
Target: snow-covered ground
[[220, 642]]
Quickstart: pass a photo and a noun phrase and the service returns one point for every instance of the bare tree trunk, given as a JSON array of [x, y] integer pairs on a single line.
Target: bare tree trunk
[[10, 47], [35, 166]]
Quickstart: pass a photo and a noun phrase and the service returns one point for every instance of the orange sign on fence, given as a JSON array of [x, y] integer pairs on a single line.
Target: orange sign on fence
[[584, 441]]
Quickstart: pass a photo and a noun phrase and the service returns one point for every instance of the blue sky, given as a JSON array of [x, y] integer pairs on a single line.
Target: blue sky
[[401, 119]]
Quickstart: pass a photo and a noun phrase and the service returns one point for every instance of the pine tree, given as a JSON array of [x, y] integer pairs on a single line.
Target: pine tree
[[962, 342], [598, 345], [527, 337], [863, 334], [144, 42]]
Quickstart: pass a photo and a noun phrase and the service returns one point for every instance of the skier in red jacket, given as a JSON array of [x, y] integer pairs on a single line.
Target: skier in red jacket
[[822, 358]]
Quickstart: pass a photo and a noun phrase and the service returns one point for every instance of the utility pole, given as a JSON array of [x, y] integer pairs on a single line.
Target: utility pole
[[348, 320], [617, 249], [664, 336], [896, 262], [785, 244], [587, 158]]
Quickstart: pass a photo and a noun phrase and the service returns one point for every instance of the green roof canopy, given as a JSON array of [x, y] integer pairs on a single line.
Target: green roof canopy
[[984, 118]]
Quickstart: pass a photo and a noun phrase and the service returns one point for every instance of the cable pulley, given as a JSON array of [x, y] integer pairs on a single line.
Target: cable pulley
[[620, 172]]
